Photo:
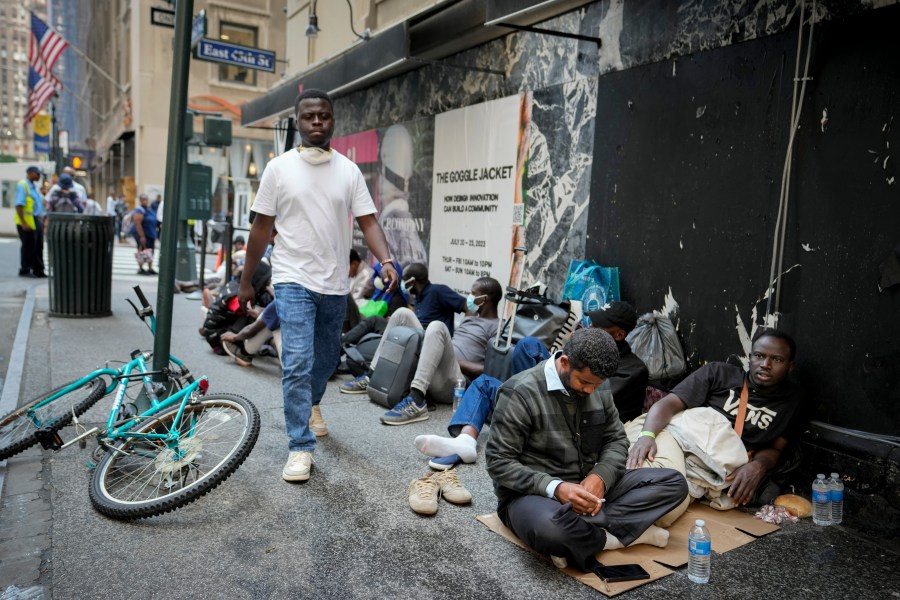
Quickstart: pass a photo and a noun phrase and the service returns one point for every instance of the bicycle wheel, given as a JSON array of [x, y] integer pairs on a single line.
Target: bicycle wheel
[[17, 429], [140, 478]]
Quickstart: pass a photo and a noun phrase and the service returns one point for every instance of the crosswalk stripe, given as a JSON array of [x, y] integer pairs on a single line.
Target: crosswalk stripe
[[124, 264]]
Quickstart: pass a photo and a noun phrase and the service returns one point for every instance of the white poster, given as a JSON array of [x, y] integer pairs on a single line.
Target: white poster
[[473, 193]]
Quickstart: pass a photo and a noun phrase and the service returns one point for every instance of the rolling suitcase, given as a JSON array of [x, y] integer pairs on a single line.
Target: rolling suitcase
[[533, 315], [396, 366]]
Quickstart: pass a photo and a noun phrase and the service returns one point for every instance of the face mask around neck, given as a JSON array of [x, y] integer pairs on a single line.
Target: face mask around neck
[[314, 155]]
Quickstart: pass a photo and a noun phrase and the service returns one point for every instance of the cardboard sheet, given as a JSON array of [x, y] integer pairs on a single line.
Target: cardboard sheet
[[729, 530]]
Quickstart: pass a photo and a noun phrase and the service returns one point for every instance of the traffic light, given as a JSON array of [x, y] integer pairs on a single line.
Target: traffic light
[[77, 162]]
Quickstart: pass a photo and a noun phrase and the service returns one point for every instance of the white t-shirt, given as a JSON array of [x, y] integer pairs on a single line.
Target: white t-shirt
[[313, 206]]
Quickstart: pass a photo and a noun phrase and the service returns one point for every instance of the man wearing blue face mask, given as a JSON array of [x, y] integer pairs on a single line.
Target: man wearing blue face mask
[[445, 357], [433, 302]]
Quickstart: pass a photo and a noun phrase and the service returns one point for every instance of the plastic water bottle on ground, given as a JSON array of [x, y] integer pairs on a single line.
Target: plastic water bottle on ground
[[821, 497], [699, 552], [836, 496], [458, 392]]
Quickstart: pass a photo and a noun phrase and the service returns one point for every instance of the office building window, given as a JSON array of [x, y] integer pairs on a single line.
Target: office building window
[[242, 36]]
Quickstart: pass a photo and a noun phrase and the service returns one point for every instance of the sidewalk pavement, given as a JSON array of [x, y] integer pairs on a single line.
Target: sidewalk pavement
[[348, 532]]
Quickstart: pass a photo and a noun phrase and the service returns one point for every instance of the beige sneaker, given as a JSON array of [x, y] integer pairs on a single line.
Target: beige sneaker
[[423, 495], [298, 466], [451, 489], [317, 423]]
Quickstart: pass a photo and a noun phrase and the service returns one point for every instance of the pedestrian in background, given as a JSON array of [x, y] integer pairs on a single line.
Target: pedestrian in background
[[63, 197], [144, 223], [29, 218], [92, 208]]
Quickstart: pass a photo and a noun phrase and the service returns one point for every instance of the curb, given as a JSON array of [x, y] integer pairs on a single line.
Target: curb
[[12, 386]]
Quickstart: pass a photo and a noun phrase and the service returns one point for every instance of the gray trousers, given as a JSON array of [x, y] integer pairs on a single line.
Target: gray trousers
[[639, 498], [438, 369]]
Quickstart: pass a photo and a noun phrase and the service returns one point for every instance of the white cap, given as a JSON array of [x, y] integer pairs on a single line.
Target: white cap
[[834, 475], [820, 476], [700, 523]]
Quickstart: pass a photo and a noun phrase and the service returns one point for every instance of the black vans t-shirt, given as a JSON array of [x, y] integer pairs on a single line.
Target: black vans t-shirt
[[770, 414]]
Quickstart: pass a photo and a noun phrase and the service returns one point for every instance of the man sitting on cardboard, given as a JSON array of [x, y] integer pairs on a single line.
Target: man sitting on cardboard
[[557, 457], [774, 415]]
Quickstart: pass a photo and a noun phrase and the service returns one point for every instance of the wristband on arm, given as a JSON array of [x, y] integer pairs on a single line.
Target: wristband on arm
[[648, 434]]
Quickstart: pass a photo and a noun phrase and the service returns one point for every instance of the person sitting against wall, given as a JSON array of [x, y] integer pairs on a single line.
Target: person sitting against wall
[[445, 357], [433, 302], [775, 414], [627, 385]]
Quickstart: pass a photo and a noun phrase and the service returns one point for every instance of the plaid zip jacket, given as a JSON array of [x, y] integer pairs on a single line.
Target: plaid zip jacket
[[530, 443]]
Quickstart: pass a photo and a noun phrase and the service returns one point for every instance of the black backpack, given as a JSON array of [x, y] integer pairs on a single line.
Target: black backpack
[[358, 356]]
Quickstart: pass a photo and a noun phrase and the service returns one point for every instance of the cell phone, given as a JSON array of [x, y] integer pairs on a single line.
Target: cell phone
[[614, 573]]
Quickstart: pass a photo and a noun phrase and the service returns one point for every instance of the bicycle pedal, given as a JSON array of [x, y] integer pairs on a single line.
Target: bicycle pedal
[[49, 439]]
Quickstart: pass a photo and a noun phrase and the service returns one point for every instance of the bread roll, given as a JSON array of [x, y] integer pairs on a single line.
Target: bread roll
[[797, 505]]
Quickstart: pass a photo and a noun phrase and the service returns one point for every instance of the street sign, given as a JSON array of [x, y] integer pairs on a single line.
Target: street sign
[[239, 56], [162, 17], [198, 28]]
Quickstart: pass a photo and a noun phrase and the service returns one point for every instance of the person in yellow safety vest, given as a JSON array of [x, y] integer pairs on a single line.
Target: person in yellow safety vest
[[30, 224]]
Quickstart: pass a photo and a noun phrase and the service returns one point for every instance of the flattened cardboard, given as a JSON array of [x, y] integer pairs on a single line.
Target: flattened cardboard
[[616, 557], [729, 530]]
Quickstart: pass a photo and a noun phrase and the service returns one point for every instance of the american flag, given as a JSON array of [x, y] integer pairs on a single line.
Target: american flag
[[39, 91], [43, 51]]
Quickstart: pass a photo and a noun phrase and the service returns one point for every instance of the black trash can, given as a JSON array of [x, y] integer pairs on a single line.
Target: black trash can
[[80, 251]]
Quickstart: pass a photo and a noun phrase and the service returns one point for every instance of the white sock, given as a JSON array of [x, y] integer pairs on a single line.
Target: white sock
[[654, 536], [612, 542], [435, 445]]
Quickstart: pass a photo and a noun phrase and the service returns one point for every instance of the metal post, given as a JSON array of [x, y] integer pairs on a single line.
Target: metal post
[[186, 263], [203, 256], [198, 293], [184, 10], [229, 242]]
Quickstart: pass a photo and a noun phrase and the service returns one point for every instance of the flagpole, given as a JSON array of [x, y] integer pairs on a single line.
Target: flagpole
[[88, 104], [121, 88]]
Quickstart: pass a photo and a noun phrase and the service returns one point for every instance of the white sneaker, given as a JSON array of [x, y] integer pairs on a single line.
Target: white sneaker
[[298, 466], [317, 423]]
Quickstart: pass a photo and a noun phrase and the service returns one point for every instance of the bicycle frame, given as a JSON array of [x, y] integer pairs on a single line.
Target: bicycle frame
[[118, 379]]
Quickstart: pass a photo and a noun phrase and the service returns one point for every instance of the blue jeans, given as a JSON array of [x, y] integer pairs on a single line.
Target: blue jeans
[[311, 342], [477, 404]]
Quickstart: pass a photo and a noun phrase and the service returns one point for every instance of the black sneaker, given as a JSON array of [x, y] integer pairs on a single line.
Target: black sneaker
[[236, 352]]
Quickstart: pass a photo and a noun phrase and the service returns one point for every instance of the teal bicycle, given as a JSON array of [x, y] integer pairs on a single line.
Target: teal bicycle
[[148, 462]]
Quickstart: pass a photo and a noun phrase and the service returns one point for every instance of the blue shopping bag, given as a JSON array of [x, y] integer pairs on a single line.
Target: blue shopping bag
[[592, 284]]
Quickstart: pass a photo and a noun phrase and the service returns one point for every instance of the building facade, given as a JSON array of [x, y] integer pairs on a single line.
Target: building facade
[[16, 139], [129, 123]]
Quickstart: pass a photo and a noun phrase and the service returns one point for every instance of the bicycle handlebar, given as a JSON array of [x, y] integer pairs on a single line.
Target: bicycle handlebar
[[141, 296]]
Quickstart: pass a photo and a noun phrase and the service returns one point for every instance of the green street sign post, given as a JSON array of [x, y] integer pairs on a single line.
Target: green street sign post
[[175, 153]]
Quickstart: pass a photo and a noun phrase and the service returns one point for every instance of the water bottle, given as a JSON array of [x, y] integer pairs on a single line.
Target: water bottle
[[458, 392], [699, 549], [836, 496], [821, 501]]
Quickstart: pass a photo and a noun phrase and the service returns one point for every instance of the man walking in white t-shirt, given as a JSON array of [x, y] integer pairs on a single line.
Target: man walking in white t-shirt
[[309, 195]]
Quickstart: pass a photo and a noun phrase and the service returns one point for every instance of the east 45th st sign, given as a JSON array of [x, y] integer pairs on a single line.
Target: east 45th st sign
[[239, 56]]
